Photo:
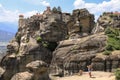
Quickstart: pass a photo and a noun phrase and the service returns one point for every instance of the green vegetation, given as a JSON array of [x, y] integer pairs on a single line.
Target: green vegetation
[[117, 74], [113, 42], [59, 9], [56, 10], [39, 39], [107, 52], [45, 44], [49, 45]]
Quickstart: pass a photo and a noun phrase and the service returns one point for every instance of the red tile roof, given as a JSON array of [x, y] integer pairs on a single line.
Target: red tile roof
[[117, 13], [21, 15]]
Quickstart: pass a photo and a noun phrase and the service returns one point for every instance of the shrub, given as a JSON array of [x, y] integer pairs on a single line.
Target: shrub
[[54, 10], [117, 74], [39, 39], [110, 47], [45, 44], [107, 52], [113, 42]]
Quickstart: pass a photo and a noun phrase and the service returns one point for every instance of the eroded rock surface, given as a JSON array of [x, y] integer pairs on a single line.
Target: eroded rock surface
[[75, 54], [107, 19], [56, 42]]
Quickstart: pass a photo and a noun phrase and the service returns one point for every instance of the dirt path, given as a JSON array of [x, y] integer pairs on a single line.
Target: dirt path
[[97, 75]]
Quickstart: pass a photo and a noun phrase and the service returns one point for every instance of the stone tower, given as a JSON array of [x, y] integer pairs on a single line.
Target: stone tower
[[21, 20]]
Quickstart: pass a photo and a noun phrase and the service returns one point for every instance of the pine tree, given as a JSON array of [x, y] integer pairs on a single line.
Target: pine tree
[[59, 9], [54, 10]]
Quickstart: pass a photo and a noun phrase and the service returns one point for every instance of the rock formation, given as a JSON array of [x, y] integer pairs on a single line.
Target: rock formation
[[75, 54], [81, 23], [107, 19], [55, 42]]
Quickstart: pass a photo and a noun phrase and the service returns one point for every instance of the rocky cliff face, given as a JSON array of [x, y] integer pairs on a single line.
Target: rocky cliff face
[[107, 19], [75, 54], [81, 23], [53, 42]]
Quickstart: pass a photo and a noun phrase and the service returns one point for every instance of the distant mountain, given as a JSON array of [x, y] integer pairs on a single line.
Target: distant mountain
[[9, 27], [6, 36]]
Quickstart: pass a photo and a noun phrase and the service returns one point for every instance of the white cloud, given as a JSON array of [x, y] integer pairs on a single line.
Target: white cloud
[[7, 16], [12, 16], [45, 3], [0, 5], [38, 2], [97, 9], [28, 14]]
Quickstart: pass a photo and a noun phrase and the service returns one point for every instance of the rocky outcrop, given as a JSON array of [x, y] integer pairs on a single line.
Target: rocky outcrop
[[1, 71], [75, 54], [37, 70], [33, 41], [106, 62], [61, 38], [107, 19], [81, 23], [23, 76], [16, 62]]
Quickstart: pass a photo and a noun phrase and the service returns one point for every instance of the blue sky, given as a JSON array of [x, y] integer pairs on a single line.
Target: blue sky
[[10, 9]]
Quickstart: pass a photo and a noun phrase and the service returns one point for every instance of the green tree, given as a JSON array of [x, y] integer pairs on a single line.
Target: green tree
[[54, 10], [59, 9]]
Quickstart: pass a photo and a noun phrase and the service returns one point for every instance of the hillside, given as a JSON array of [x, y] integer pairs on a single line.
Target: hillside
[[8, 27], [6, 36]]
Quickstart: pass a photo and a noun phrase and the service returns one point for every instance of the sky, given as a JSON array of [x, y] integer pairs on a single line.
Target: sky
[[10, 9]]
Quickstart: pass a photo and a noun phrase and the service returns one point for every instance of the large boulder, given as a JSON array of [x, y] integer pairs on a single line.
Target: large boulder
[[23, 76], [1, 71], [80, 24], [39, 69], [36, 70], [75, 54], [106, 62], [16, 62]]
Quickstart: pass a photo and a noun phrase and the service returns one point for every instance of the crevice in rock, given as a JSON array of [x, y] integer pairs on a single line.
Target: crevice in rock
[[105, 66]]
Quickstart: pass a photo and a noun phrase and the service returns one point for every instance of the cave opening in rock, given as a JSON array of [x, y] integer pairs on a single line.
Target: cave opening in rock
[[52, 46]]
